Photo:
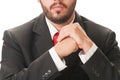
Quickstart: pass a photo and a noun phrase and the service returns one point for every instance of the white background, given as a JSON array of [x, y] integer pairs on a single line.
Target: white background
[[16, 12]]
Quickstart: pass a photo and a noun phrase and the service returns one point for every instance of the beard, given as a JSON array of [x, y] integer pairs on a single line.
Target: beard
[[60, 18]]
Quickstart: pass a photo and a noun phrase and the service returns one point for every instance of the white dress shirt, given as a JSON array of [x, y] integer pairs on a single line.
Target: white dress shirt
[[58, 62]]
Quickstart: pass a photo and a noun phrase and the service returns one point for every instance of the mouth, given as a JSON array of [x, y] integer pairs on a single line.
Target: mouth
[[58, 7]]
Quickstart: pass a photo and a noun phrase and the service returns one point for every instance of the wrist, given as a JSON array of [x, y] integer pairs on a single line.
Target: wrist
[[59, 51], [87, 45]]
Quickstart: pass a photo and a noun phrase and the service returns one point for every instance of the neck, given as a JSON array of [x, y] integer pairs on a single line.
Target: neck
[[59, 26]]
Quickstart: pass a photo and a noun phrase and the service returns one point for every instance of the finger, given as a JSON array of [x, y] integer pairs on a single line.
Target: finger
[[62, 35], [80, 28], [64, 32]]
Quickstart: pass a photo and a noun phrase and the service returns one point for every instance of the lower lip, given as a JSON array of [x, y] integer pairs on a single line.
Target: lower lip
[[58, 8]]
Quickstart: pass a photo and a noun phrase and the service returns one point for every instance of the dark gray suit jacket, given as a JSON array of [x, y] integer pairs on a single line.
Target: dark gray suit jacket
[[25, 54]]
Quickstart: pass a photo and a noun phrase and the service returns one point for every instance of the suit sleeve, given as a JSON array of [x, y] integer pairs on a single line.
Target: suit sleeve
[[105, 64], [13, 65]]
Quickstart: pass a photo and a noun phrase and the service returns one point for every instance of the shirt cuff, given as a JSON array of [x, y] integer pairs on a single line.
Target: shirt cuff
[[86, 56], [58, 62]]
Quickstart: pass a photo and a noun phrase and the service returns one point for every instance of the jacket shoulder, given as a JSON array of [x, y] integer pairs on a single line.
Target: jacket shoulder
[[21, 35], [89, 24], [23, 29], [95, 29]]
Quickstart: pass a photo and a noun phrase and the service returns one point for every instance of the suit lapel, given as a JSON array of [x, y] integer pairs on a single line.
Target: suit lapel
[[79, 19], [42, 39]]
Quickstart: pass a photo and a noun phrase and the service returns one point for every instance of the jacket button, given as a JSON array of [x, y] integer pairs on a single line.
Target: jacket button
[[49, 71]]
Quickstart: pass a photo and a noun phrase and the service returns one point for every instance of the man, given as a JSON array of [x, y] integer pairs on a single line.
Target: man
[[83, 50]]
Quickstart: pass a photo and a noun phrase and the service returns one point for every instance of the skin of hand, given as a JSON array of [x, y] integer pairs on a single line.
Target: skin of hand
[[71, 38], [66, 47]]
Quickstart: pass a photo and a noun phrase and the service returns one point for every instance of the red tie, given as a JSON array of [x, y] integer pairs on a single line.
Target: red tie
[[55, 38]]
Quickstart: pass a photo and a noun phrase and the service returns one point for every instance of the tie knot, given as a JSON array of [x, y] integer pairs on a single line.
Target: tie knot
[[55, 38]]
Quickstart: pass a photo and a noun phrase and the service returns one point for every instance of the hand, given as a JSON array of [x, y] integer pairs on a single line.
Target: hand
[[66, 47], [76, 32]]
